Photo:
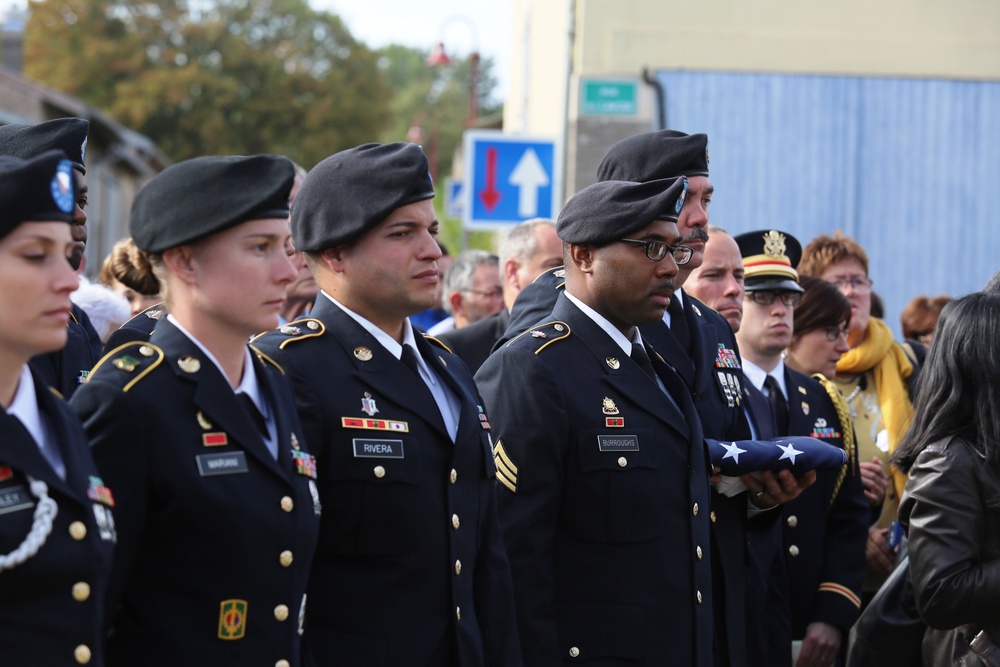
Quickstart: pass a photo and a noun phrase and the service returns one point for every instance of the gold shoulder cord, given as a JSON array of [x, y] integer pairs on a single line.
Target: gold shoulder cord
[[846, 429]]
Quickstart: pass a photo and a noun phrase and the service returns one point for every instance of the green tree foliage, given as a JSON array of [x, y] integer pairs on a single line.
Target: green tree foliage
[[214, 76], [435, 100]]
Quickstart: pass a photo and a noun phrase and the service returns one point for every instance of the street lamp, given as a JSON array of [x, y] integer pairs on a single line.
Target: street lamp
[[439, 58]]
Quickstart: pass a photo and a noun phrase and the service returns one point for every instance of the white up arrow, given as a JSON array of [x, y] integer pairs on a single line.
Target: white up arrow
[[528, 176]]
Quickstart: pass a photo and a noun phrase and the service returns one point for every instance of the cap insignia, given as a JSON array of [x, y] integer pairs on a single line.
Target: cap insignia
[[774, 244]]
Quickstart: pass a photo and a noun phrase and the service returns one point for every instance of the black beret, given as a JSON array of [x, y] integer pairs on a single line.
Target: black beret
[[199, 197], [352, 191], [653, 155], [609, 210], [68, 135], [769, 260], [39, 189]]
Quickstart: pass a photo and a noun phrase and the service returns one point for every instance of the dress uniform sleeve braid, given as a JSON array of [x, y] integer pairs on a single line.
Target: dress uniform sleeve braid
[[846, 428], [45, 513]]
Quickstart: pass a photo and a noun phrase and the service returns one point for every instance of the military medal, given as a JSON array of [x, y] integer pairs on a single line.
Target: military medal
[[305, 463], [97, 491]]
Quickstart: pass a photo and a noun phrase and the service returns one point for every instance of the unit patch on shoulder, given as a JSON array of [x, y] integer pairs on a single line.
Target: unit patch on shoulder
[[232, 619]]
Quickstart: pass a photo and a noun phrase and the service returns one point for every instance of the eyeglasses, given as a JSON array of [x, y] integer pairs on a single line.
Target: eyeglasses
[[833, 333], [495, 293], [767, 297], [657, 250], [859, 285]]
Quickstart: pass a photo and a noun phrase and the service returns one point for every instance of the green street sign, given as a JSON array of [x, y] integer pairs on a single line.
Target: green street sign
[[609, 97]]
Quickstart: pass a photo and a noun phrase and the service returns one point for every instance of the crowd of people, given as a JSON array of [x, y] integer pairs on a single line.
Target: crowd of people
[[640, 439]]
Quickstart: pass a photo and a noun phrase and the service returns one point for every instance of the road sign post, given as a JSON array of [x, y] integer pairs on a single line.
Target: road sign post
[[508, 179]]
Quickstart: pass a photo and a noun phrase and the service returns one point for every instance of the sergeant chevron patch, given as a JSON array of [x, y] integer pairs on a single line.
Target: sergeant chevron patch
[[506, 470]]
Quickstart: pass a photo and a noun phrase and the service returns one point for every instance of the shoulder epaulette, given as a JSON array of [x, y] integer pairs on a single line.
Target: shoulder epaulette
[[543, 334], [266, 359], [136, 357], [297, 330], [846, 429], [434, 341], [57, 393], [556, 276]]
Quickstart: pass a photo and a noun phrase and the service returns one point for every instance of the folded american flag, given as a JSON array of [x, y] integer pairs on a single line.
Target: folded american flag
[[796, 453]]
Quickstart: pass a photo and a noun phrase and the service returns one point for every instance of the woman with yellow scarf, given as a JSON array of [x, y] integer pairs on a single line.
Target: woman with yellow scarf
[[873, 378]]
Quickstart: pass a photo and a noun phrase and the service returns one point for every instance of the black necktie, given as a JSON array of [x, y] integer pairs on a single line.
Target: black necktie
[[679, 325], [778, 404], [640, 357], [255, 415], [409, 357]]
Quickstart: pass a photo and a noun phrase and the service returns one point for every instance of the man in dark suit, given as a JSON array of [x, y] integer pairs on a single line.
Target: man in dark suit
[[825, 529], [411, 567], [605, 477], [66, 369], [530, 249]]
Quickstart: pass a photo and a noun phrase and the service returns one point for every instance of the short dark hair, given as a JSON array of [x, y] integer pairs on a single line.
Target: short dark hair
[[822, 306]]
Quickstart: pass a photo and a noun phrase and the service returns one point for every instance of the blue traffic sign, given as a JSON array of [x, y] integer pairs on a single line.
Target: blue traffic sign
[[508, 179], [453, 198]]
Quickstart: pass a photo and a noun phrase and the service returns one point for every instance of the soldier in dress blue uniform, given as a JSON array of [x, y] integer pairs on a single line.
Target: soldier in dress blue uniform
[[67, 368], [199, 437], [599, 450], [411, 568], [825, 529], [57, 528], [699, 344]]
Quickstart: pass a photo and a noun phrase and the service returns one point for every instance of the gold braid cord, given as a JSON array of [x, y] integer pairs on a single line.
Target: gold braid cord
[[846, 429]]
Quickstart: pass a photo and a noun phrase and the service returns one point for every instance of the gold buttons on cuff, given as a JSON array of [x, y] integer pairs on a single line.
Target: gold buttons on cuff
[[574, 652], [458, 613], [454, 476], [379, 472], [622, 461], [458, 567], [82, 654], [454, 521], [698, 595], [81, 591], [77, 530], [711, 515], [284, 663], [287, 504], [694, 510], [698, 552], [285, 558], [793, 521], [281, 612], [793, 550]]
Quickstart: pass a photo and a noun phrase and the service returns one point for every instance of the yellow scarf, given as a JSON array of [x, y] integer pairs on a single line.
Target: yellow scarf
[[890, 366]]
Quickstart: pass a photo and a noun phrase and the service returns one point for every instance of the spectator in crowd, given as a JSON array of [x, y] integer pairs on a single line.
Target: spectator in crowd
[[472, 290], [920, 317], [301, 293], [950, 506], [877, 378], [123, 272], [718, 282], [428, 318]]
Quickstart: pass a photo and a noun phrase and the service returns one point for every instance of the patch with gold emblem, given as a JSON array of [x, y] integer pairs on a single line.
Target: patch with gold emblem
[[126, 363], [232, 619]]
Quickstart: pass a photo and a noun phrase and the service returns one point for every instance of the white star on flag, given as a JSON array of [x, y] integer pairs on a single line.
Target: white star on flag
[[789, 452], [732, 451]]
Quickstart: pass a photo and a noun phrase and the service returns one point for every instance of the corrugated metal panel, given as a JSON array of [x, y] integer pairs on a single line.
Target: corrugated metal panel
[[909, 168]]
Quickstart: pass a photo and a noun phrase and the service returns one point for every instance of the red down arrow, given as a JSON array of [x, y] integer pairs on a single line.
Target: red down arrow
[[490, 196]]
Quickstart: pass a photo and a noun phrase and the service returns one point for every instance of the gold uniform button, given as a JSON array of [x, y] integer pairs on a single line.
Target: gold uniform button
[[82, 654], [458, 567], [622, 461], [793, 550], [574, 652], [455, 522], [281, 612], [77, 530], [697, 552], [793, 521], [458, 613], [694, 510], [379, 472], [284, 663], [711, 515], [287, 504], [285, 558], [81, 591], [454, 476], [698, 595]]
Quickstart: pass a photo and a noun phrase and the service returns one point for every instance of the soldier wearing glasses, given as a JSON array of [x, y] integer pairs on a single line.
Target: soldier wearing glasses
[[604, 478], [825, 528]]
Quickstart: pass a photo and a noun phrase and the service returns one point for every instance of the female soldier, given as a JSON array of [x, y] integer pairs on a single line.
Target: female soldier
[[219, 510], [56, 526]]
